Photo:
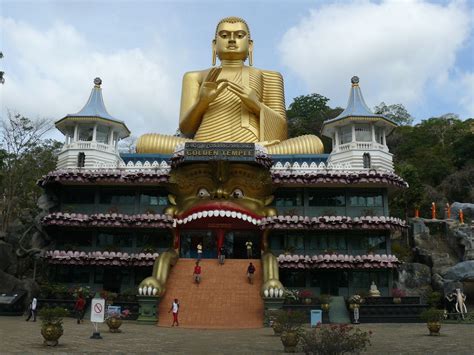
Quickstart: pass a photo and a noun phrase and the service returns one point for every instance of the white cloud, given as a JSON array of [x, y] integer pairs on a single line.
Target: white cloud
[[396, 48], [50, 74]]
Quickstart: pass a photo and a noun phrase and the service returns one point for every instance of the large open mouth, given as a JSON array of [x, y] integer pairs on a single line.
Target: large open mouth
[[218, 211]]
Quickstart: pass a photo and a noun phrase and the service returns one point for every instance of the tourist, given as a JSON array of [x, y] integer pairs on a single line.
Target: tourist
[[250, 272], [249, 246], [199, 251], [197, 273], [222, 254], [79, 307], [175, 309], [32, 309]]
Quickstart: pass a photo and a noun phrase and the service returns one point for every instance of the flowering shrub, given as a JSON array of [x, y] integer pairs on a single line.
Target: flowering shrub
[[118, 315], [398, 293], [335, 340], [291, 296], [305, 294], [355, 299]]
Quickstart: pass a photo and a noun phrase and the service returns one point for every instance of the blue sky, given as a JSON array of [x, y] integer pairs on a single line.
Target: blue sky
[[419, 53]]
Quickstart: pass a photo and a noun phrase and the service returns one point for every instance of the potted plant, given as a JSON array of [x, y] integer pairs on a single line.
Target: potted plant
[[291, 296], [306, 296], [397, 295], [354, 302], [114, 319], [52, 324], [290, 323], [433, 319], [325, 302]]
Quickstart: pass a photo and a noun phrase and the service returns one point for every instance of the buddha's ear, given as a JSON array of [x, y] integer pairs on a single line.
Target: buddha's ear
[[214, 54], [172, 199], [250, 52]]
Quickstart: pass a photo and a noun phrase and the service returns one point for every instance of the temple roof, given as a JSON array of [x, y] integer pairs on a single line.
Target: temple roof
[[95, 106], [93, 109], [356, 110]]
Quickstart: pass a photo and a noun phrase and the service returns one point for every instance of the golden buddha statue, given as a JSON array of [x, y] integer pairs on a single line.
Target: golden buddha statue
[[233, 102]]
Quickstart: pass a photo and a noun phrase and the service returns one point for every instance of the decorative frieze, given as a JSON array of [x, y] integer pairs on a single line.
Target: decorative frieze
[[338, 261], [113, 220], [100, 258]]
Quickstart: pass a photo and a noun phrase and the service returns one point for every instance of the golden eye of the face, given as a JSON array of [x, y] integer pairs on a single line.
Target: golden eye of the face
[[237, 193], [203, 193]]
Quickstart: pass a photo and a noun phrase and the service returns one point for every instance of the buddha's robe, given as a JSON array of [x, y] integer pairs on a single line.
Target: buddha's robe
[[227, 119]]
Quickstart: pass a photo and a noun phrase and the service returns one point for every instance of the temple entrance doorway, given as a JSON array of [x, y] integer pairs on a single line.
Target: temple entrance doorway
[[190, 240], [235, 243]]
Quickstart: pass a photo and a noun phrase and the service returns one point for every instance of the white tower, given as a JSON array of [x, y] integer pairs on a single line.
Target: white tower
[[91, 135], [358, 135]]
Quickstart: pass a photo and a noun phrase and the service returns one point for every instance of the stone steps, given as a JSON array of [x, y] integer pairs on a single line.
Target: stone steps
[[223, 300]]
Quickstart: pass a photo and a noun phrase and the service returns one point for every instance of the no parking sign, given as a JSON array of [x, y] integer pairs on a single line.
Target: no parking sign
[[97, 310]]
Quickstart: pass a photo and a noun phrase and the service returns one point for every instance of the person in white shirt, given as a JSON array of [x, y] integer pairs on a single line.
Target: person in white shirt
[[199, 251], [249, 246], [32, 309], [175, 309]]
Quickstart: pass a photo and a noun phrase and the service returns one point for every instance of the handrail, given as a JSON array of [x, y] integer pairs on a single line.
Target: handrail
[[271, 277], [161, 271]]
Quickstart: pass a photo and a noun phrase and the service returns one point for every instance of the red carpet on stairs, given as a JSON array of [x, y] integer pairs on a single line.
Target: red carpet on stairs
[[223, 300]]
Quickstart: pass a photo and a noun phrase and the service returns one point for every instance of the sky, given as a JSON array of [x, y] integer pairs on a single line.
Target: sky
[[416, 52]]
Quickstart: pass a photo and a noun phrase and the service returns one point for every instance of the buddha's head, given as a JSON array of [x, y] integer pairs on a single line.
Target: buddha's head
[[232, 40]]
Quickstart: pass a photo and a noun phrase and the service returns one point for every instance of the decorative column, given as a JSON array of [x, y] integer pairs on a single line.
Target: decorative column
[[94, 133], [353, 133], [76, 133], [372, 128], [220, 239]]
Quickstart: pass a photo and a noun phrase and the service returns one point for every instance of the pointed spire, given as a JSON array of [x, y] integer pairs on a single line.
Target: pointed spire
[[356, 105], [95, 106]]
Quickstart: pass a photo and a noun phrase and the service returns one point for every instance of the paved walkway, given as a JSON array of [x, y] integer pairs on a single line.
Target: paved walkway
[[16, 336]]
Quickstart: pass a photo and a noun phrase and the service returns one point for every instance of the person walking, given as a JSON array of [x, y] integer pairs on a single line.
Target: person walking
[[79, 307], [175, 309], [32, 309], [197, 273], [199, 251], [249, 246], [222, 255], [250, 273]]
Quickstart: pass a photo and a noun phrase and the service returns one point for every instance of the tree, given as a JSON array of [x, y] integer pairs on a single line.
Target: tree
[[128, 145], [24, 157], [397, 113], [306, 115]]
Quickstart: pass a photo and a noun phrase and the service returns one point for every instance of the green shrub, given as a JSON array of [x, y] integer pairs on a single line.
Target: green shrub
[[335, 340], [434, 299], [52, 315], [402, 252], [290, 320], [432, 315]]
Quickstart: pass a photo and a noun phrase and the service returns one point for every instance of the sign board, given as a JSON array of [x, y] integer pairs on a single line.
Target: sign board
[[97, 310], [114, 310], [194, 151]]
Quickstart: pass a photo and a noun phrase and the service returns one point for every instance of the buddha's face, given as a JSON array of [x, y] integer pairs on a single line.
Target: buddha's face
[[232, 41]]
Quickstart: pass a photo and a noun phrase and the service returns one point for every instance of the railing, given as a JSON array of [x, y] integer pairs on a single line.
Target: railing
[[361, 146], [90, 145]]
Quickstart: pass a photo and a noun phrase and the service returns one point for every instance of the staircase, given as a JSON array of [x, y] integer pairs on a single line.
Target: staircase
[[338, 312], [223, 300]]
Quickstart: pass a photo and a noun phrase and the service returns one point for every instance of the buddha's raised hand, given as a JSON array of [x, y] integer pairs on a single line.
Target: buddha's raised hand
[[247, 95], [211, 87]]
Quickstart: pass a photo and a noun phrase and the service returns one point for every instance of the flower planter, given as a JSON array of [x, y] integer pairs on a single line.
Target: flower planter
[[114, 325], [277, 328], [308, 301], [397, 300], [51, 333], [434, 327], [325, 307], [290, 341]]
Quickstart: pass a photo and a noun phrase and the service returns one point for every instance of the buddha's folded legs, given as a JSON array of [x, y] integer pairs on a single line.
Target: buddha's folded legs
[[163, 144], [307, 144], [159, 143]]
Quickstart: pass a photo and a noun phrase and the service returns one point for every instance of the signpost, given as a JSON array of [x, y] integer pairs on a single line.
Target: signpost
[[97, 315]]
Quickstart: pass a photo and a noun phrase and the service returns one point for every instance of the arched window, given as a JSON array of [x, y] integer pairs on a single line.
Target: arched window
[[81, 160], [366, 159]]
